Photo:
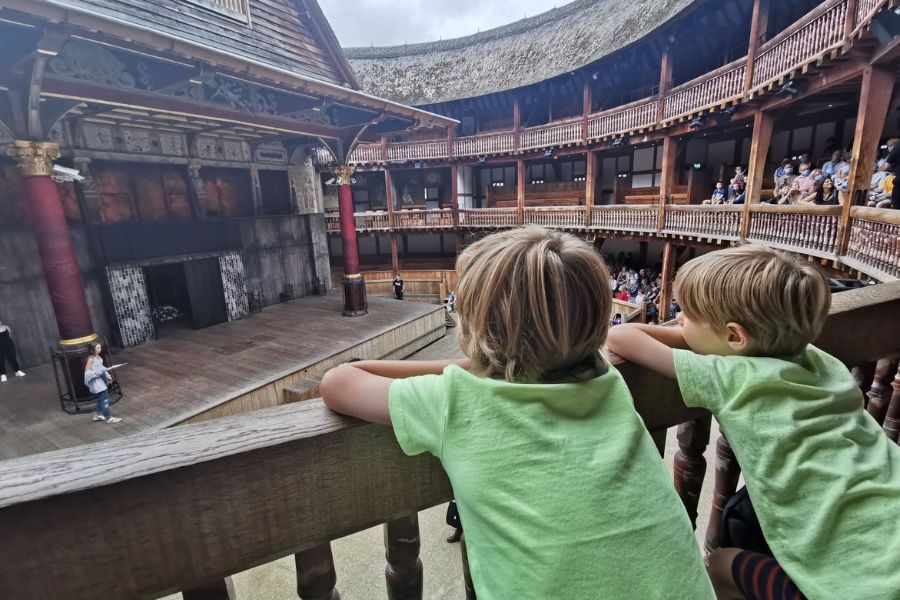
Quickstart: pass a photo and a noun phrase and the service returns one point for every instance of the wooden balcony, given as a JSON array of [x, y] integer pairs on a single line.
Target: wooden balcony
[[424, 219], [710, 222], [818, 36], [634, 218], [875, 240], [809, 229], [182, 508]]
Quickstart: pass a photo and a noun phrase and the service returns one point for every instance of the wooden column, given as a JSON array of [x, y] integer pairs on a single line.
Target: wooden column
[[517, 122], [758, 26], [850, 25], [403, 573], [355, 303], [665, 76], [667, 180], [385, 155], [520, 190], [256, 191], [451, 138], [389, 196], [668, 274], [585, 110], [874, 100], [395, 255], [454, 194], [690, 466], [316, 577], [590, 185], [197, 191], [763, 124], [728, 472]]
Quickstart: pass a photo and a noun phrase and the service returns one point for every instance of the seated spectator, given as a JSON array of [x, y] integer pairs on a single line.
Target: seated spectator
[[736, 193], [806, 179], [842, 180], [782, 195], [818, 176], [883, 199], [893, 160], [784, 174], [830, 167], [827, 194], [739, 175], [881, 173], [719, 195], [622, 295]]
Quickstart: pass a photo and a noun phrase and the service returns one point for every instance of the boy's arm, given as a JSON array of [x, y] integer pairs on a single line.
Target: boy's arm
[[647, 345], [360, 389]]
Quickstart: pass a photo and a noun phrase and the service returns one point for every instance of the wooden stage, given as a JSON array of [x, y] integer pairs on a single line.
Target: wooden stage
[[225, 369]]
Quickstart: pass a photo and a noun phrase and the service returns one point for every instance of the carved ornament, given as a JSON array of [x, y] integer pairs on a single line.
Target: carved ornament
[[35, 158], [344, 175], [92, 62]]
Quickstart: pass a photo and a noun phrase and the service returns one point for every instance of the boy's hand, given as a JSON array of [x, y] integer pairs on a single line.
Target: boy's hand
[[647, 345]]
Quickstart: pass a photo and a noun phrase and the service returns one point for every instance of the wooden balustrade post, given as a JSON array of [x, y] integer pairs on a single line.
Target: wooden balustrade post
[[728, 471], [467, 574], [316, 576], [665, 76], [520, 191], [892, 418], [454, 193], [517, 123], [690, 466], [758, 26], [585, 110], [590, 185], [223, 589], [667, 178], [874, 100], [451, 138], [850, 23], [395, 254], [665, 288], [763, 124], [879, 395], [389, 196], [385, 155], [403, 573]]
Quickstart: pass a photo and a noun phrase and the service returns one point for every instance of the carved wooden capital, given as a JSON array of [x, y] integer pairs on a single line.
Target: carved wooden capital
[[35, 158], [343, 174]]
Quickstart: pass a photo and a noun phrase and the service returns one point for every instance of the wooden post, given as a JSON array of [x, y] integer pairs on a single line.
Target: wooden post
[[404, 569], [395, 255], [384, 149], [665, 76], [223, 589], [874, 100], [763, 124], [892, 419], [850, 25], [728, 471], [644, 247], [454, 194], [758, 26], [389, 196], [585, 110], [690, 466], [517, 122], [665, 288], [520, 190], [590, 185], [670, 147], [459, 243], [316, 577], [256, 191], [451, 138]]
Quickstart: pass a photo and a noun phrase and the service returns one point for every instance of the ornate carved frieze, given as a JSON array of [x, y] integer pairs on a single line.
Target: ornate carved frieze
[[134, 140], [35, 158], [270, 152], [241, 96], [212, 148], [98, 64]]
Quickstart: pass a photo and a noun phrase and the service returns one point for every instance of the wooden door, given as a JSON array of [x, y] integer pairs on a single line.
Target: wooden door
[[205, 291]]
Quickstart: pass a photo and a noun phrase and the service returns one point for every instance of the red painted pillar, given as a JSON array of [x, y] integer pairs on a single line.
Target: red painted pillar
[[355, 303], [54, 242]]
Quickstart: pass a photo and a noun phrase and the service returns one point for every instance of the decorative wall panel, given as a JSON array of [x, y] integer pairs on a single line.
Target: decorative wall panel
[[234, 283], [129, 295]]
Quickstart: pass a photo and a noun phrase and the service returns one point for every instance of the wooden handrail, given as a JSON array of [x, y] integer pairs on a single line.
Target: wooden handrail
[[177, 508]]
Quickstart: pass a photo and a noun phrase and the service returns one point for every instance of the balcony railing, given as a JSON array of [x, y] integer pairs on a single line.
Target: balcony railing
[[418, 150], [875, 239], [810, 228], [623, 120], [367, 153], [491, 143], [637, 218], [179, 509], [421, 219], [488, 217], [546, 136], [562, 217], [713, 89], [720, 222]]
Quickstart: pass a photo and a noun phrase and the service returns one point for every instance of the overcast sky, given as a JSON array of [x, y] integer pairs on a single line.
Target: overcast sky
[[394, 22]]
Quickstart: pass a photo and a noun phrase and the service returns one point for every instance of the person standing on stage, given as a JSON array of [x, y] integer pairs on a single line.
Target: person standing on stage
[[96, 378], [8, 353], [398, 287]]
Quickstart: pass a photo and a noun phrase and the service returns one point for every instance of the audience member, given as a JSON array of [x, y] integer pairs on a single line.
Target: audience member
[[893, 158], [739, 175], [736, 193], [827, 194], [719, 194], [784, 174], [830, 167], [806, 179]]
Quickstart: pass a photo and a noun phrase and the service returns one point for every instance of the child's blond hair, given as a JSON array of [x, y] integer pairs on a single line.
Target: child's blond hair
[[531, 301], [780, 299]]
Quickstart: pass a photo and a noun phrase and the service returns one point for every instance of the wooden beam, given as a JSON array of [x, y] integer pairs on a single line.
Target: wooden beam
[[665, 76], [517, 121], [520, 191], [667, 179], [763, 124], [454, 193], [585, 109], [874, 100], [590, 185], [668, 274], [758, 26], [395, 254]]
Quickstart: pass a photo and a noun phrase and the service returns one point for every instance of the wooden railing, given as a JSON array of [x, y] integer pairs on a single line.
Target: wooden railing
[[617, 217], [546, 136], [182, 508], [875, 239], [817, 32], [492, 143], [421, 219], [623, 120], [709, 90], [372, 220], [367, 153], [418, 150], [488, 217], [333, 222], [810, 228], [722, 222], [565, 217]]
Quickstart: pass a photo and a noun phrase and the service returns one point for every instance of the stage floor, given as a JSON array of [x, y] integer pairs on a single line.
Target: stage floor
[[188, 370]]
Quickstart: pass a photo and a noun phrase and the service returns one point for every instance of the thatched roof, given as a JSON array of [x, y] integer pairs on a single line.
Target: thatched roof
[[521, 53]]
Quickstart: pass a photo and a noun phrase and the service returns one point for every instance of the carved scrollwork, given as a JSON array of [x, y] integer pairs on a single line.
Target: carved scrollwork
[[343, 175], [233, 93], [92, 62], [35, 158]]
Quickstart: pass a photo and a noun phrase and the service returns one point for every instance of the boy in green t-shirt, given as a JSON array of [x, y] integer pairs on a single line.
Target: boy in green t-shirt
[[558, 484], [824, 479]]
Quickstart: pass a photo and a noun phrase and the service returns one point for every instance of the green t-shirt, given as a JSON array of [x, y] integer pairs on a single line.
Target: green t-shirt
[[560, 490], [824, 479]]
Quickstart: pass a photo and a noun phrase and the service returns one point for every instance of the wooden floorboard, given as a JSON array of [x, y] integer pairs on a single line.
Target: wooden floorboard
[[187, 370]]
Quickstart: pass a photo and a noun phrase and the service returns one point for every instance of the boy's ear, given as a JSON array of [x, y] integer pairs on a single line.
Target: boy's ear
[[737, 337]]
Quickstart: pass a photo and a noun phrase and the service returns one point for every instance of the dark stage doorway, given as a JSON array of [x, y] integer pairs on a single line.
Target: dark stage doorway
[[187, 295], [207, 296]]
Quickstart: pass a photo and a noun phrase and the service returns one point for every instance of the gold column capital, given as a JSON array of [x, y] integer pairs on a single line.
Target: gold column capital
[[35, 158], [343, 174]]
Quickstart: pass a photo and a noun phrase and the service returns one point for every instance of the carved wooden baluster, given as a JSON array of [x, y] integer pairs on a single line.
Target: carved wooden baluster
[[892, 420], [467, 575], [863, 374], [316, 577], [690, 466], [404, 569], [728, 471], [880, 392], [222, 589]]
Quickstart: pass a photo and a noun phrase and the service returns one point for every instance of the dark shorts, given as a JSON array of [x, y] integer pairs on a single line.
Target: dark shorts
[[760, 577]]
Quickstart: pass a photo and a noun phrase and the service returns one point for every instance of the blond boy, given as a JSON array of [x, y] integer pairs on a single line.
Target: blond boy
[[824, 479], [560, 489]]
